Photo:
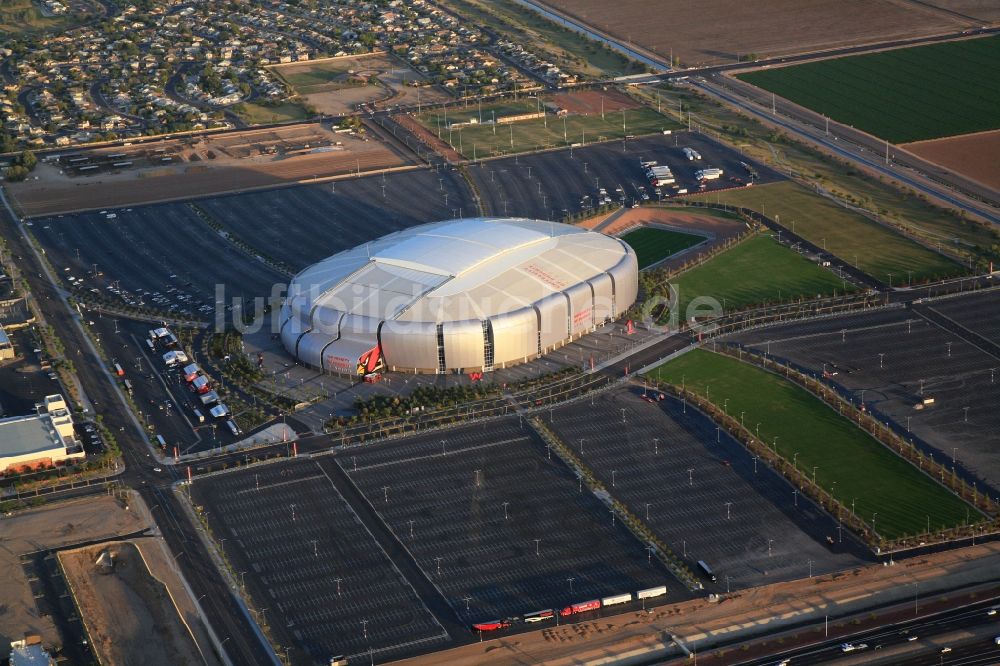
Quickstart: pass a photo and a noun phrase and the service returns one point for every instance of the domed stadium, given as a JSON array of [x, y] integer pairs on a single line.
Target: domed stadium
[[466, 295]]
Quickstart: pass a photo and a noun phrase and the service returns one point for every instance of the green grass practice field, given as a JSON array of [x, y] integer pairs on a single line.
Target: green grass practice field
[[318, 78], [758, 270], [259, 114], [652, 245], [902, 95], [863, 469], [486, 139], [855, 239]]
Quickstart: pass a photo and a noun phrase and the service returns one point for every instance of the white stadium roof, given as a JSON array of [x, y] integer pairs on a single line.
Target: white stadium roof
[[468, 270], [457, 269]]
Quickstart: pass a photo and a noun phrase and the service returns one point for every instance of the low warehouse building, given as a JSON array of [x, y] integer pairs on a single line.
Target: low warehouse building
[[460, 295], [43, 438]]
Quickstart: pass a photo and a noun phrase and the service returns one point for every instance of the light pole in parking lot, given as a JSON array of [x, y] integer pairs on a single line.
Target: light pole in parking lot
[[570, 581], [656, 446], [729, 506], [691, 476]]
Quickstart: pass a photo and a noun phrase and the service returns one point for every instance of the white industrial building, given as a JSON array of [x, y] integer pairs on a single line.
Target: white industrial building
[[43, 438], [460, 295]]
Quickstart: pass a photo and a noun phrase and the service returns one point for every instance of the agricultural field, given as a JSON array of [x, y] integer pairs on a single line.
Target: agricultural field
[[653, 245], [259, 114], [562, 46], [858, 241], [900, 95], [699, 33], [848, 463], [486, 139], [757, 271], [934, 225], [974, 155]]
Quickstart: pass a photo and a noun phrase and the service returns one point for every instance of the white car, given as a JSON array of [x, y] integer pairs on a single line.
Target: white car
[[945, 649], [991, 612]]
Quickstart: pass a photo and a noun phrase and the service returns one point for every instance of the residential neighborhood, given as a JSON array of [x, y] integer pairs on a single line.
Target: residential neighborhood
[[162, 66]]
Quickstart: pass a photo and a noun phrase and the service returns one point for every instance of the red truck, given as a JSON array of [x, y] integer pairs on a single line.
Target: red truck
[[581, 607], [493, 625]]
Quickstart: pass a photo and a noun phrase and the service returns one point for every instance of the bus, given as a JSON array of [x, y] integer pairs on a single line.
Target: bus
[[119, 370], [162, 443], [707, 570], [128, 386]]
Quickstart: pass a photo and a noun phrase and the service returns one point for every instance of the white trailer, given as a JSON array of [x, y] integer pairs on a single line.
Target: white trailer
[[708, 174], [617, 599], [692, 154], [651, 592]]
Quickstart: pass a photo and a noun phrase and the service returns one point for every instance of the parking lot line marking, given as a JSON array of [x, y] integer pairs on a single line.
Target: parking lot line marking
[[254, 490], [384, 553], [438, 454]]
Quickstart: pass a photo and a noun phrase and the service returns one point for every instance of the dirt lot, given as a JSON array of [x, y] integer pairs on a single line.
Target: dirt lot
[[88, 519], [335, 85], [199, 166], [703, 33], [976, 156], [428, 137], [129, 615], [591, 102]]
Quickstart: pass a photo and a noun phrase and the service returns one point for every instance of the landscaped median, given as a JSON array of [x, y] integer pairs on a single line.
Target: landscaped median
[[866, 480]]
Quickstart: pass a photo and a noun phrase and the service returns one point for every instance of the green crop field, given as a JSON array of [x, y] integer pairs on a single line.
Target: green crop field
[[758, 270], [849, 463], [487, 139], [878, 251], [902, 95], [652, 245]]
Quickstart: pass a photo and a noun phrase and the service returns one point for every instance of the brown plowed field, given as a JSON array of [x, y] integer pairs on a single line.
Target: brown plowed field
[[705, 33], [228, 162], [975, 156], [589, 102]]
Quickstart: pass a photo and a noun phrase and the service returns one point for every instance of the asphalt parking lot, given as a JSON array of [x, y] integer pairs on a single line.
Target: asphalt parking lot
[[500, 528], [162, 256], [23, 382], [301, 225], [701, 492], [318, 578], [893, 360], [553, 184], [977, 312]]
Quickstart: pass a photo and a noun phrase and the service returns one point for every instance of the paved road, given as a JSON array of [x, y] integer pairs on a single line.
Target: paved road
[[861, 148], [898, 634], [238, 634]]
